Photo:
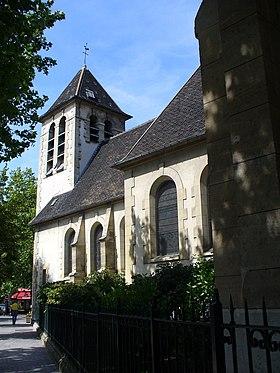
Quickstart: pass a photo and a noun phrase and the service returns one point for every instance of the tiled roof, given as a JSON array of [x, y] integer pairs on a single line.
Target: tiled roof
[[84, 86], [101, 183], [181, 121]]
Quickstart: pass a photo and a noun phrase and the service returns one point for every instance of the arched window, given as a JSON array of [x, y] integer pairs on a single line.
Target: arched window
[[122, 245], [107, 130], [68, 252], [93, 129], [167, 237], [96, 234], [206, 220], [50, 153], [61, 145]]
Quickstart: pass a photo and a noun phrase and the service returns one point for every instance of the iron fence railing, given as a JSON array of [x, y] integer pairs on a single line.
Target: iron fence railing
[[227, 342], [100, 342], [249, 341]]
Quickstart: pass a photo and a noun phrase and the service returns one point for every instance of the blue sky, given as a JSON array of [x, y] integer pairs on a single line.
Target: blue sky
[[141, 51]]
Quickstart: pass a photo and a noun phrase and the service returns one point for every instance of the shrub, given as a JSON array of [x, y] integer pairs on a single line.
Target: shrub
[[173, 291]]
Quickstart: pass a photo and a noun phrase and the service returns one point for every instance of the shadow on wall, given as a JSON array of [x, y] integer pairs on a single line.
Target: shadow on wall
[[141, 239], [242, 126], [40, 277]]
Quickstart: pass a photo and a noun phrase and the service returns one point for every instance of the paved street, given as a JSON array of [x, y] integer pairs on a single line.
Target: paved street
[[21, 350]]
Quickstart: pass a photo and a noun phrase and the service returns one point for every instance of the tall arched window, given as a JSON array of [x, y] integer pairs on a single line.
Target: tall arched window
[[61, 145], [50, 153], [107, 130], [93, 129], [167, 237], [68, 252], [96, 234], [122, 245], [206, 220]]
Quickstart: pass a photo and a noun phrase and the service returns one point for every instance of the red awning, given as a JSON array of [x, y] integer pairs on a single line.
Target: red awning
[[22, 294]]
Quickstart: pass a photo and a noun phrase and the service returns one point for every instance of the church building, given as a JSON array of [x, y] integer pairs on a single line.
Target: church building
[[120, 200]]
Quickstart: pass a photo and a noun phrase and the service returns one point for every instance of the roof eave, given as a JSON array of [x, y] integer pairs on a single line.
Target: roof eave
[[78, 211], [145, 158], [50, 113]]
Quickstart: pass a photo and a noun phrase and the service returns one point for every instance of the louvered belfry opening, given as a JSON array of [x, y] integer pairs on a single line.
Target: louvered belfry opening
[[167, 219], [50, 154], [107, 130], [61, 144], [93, 129]]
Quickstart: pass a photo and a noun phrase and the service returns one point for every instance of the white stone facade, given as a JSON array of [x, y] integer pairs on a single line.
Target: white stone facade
[[58, 182], [184, 167], [50, 242], [78, 148]]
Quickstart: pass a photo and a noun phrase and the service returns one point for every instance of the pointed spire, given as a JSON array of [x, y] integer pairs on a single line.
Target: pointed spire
[[84, 86]]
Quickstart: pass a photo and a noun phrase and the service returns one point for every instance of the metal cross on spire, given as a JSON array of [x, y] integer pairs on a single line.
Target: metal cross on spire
[[85, 52]]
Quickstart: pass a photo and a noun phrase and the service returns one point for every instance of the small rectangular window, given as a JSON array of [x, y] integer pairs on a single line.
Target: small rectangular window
[[89, 93], [44, 276]]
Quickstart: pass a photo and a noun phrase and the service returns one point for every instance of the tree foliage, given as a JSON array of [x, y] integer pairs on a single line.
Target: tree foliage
[[22, 26], [17, 208], [173, 291]]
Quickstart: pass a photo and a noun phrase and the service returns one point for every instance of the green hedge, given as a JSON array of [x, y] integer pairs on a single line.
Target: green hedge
[[172, 291]]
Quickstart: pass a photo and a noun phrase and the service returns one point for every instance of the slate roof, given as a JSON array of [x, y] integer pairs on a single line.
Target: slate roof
[[181, 121], [84, 86], [99, 184]]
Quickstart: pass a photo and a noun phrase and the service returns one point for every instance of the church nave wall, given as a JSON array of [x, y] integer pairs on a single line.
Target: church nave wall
[[184, 168]]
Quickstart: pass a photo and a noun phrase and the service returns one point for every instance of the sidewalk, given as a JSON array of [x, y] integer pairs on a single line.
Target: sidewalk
[[21, 350]]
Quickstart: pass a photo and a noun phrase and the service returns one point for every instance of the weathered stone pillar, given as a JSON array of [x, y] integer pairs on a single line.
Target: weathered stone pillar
[[111, 245], [78, 257], [240, 59], [101, 126]]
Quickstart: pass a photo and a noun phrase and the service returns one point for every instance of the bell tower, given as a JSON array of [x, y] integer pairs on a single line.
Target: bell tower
[[83, 117]]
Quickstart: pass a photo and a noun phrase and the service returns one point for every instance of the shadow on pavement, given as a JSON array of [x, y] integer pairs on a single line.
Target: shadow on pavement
[[18, 335], [15, 326], [25, 360], [21, 351]]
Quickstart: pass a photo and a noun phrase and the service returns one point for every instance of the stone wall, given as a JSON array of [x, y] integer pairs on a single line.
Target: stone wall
[[239, 53], [49, 243], [63, 181], [78, 148], [184, 168]]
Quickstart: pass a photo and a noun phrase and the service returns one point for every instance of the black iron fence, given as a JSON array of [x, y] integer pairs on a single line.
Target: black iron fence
[[249, 341], [102, 342]]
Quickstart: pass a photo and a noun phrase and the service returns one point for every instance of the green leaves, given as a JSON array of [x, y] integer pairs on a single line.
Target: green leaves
[[17, 208], [173, 290], [22, 26]]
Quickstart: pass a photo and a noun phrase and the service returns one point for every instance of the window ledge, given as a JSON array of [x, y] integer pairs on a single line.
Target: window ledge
[[60, 168], [69, 276], [165, 258]]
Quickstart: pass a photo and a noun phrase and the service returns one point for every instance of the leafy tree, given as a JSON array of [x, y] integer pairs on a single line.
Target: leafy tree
[[7, 254], [22, 26], [17, 208]]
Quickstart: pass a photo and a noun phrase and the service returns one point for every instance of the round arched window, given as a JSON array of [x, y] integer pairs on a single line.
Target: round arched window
[[96, 234], [167, 237], [68, 252]]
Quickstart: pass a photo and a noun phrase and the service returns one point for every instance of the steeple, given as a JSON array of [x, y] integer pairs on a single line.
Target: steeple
[[85, 87], [77, 122]]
